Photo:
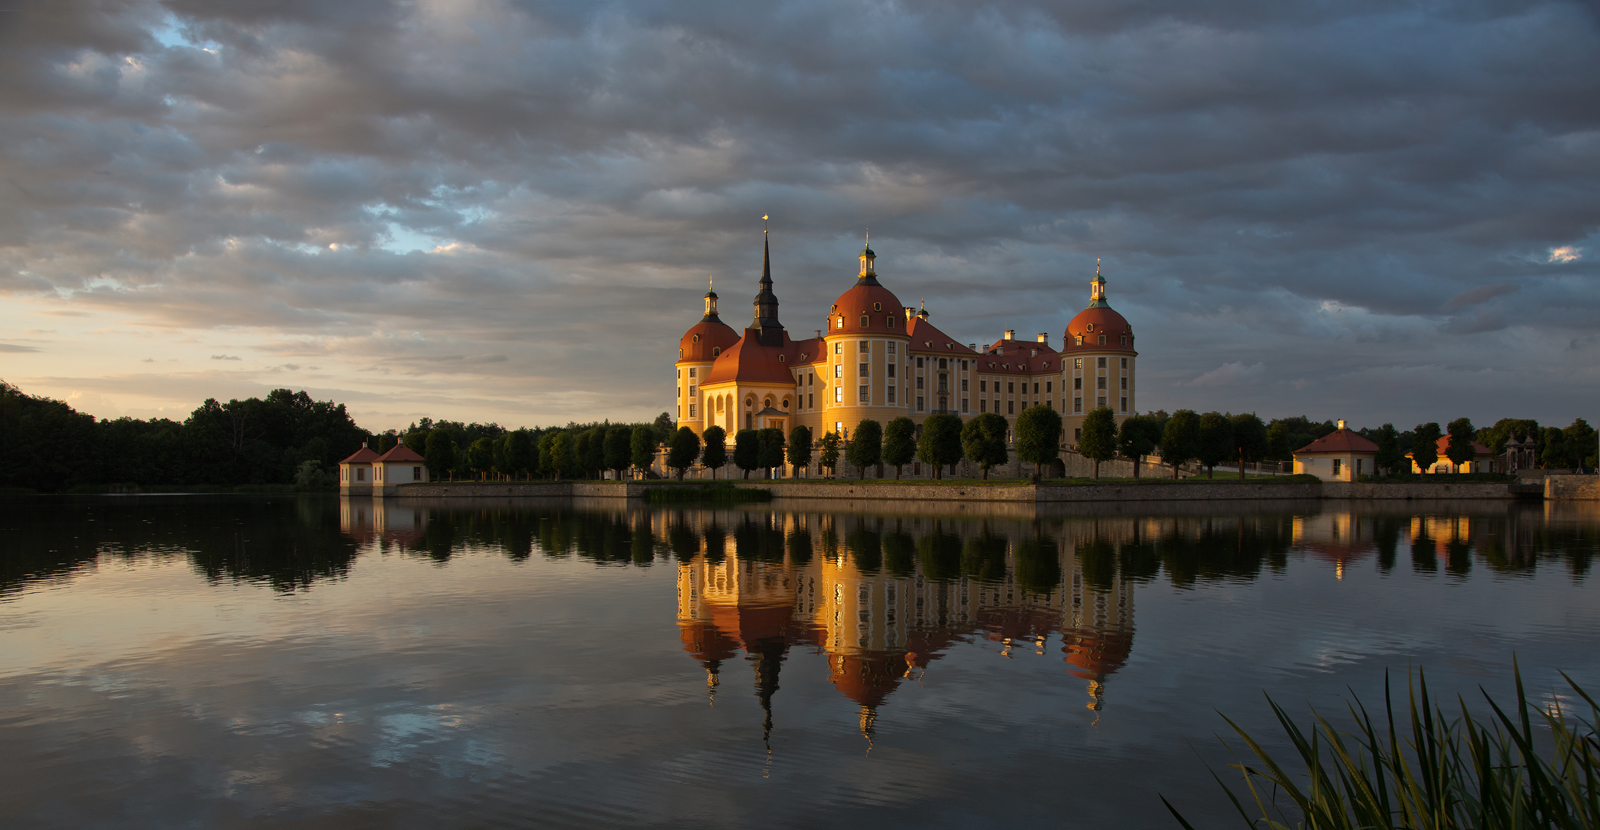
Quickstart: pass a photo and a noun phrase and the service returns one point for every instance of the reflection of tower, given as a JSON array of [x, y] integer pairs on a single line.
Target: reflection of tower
[[1097, 629], [735, 602]]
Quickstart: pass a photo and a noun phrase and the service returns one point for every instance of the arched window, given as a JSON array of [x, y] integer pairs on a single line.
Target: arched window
[[1124, 339], [890, 320], [1102, 340], [840, 324], [716, 350]]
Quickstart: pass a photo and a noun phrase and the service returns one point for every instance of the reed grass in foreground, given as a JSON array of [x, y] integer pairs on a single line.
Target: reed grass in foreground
[[1529, 767]]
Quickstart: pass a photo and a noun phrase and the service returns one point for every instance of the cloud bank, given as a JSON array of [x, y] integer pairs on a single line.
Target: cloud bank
[[486, 209]]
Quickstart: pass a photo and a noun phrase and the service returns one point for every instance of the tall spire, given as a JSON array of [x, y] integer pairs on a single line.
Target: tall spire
[[869, 272], [711, 302], [769, 330]]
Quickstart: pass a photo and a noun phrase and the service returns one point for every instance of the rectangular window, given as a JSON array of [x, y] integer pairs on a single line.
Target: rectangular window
[[890, 390], [691, 390], [811, 401], [1359, 465], [864, 395], [1124, 363], [863, 370], [1100, 401], [864, 346], [691, 372], [838, 370], [919, 403], [1036, 389], [1336, 465], [680, 391], [963, 364], [919, 363], [361, 475], [1077, 383], [1077, 434], [963, 384], [1011, 387], [1124, 384], [416, 473], [838, 394], [811, 379], [838, 348], [964, 405], [983, 405], [1100, 382], [1047, 387], [1077, 404], [1077, 363], [983, 386], [891, 343], [1102, 363], [1124, 404], [919, 382], [1011, 407], [891, 369], [691, 410], [680, 374], [680, 410]]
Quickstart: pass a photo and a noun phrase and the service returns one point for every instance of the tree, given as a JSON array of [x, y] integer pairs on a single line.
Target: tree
[[1554, 454], [580, 450], [1180, 441], [1099, 439], [595, 460], [617, 449], [386, 442], [440, 455], [1389, 457], [685, 449], [940, 444], [1216, 441], [521, 453], [1425, 446], [1582, 443], [770, 455], [642, 446], [983, 440], [480, 457], [800, 448], [900, 443], [1279, 447], [866, 448], [1137, 437], [1459, 448], [1039, 436], [563, 455], [1249, 438], [715, 454], [829, 457], [416, 441], [547, 455], [666, 429], [746, 450]]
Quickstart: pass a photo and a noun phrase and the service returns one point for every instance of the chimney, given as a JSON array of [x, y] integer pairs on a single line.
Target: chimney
[[1341, 423], [910, 312], [819, 333], [972, 346], [1011, 334], [1044, 337]]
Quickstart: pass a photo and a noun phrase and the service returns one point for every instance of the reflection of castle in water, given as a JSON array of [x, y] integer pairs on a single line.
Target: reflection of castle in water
[[878, 618], [884, 596]]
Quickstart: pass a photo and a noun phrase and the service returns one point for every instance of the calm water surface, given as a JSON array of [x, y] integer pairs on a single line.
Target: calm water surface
[[311, 662]]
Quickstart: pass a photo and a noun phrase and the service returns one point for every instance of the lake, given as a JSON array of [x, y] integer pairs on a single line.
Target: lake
[[251, 661]]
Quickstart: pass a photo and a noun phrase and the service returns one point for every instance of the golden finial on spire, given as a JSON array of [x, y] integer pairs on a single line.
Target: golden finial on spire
[[763, 223], [1097, 266], [869, 238], [711, 282]]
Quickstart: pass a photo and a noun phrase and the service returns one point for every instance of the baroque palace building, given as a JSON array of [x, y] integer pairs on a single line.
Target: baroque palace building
[[879, 359]]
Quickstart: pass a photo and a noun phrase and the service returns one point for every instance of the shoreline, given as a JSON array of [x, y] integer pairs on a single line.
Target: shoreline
[[1024, 493]]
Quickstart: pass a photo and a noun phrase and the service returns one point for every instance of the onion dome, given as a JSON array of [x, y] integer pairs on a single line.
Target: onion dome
[[867, 307], [1098, 328], [707, 339]]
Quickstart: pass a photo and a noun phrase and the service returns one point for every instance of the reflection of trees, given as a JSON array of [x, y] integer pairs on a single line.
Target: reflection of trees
[[1236, 549], [1038, 565], [1423, 559], [899, 553], [940, 555], [1386, 535], [984, 558], [865, 547], [287, 544]]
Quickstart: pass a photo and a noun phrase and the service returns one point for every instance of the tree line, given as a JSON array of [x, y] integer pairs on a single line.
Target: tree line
[[284, 439]]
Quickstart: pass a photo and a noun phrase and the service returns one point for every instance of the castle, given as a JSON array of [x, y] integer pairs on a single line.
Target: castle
[[879, 359]]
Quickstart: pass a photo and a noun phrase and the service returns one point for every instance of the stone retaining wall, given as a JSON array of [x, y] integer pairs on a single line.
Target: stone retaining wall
[[911, 491], [1572, 488]]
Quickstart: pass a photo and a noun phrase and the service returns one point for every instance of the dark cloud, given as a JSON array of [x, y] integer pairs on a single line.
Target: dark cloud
[[14, 348], [528, 195]]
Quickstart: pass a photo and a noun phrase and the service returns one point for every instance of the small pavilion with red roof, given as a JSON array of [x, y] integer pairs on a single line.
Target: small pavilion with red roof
[[368, 473], [1341, 455]]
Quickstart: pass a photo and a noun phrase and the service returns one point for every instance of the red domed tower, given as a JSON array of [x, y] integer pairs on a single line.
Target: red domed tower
[[697, 349], [864, 353], [1098, 357]]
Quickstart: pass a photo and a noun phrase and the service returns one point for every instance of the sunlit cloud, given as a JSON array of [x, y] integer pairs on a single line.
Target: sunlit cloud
[[1566, 253]]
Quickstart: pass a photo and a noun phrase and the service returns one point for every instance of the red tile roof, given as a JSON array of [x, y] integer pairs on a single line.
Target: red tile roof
[[748, 361], [361, 456], [926, 338], [1340, 440], [401, 453]]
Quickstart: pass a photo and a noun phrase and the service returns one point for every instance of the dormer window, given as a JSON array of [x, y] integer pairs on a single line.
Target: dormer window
[[780, 358], [890, 320], [716, 350], [866, 322], [840, 323], [696, 338], [1078, 340]]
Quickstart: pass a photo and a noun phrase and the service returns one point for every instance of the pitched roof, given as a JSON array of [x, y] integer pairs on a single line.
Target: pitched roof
[[750, 362], [401, 452], [926, 338], [1340, 440], [361, 456]]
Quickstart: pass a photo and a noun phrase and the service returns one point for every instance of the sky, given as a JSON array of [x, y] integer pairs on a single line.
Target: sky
[[495, 210]]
